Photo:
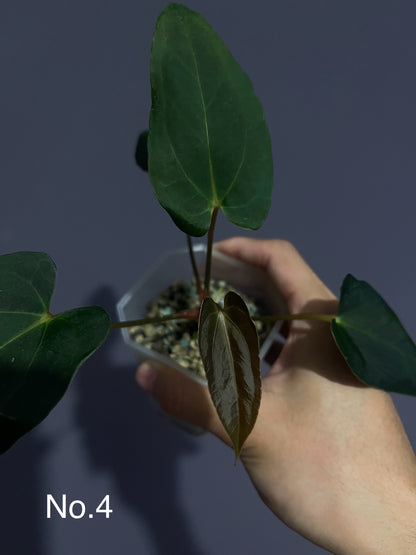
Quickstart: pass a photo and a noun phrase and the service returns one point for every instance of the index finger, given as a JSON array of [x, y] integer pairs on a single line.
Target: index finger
[[293, 278]]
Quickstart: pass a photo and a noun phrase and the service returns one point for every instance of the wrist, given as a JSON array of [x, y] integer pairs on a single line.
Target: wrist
[[379, 525]]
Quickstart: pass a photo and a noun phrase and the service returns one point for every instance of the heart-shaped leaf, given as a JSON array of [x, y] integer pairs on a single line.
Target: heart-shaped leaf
[[39, 353], [230, 352], [209, 146], [372, 339]]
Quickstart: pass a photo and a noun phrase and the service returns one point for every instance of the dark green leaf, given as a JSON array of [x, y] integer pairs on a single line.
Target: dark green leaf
[[372, 339], [141, 154], [39, 353], [209, 146], [230, 352]]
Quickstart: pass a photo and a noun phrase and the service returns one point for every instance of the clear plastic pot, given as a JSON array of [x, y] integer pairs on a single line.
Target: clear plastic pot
[[175, 265]]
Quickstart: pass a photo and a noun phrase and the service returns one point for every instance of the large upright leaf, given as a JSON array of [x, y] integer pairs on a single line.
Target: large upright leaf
[[230, 352], [39, 353], [209, 145], [372, 339]]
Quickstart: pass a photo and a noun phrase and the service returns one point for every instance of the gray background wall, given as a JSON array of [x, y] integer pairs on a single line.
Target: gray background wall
[[338, 85]]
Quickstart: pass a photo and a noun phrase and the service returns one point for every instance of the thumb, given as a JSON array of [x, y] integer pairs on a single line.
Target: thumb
[[180, 396]]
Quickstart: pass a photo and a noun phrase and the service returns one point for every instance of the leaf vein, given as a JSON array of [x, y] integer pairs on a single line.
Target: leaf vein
[[233, 181], [204, 110], [40, 322], [374, 338], [195, 186]]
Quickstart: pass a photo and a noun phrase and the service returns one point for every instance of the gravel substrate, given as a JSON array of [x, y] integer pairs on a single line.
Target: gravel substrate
[[178, 339]]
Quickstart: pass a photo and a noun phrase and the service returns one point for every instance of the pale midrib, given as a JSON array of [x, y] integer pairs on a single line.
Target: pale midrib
[[182, 169], [211, 169], [233, 325], [223, 317], [217, 201]]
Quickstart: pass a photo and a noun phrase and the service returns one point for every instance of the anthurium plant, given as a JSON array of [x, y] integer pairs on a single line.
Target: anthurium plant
[[207, 150]]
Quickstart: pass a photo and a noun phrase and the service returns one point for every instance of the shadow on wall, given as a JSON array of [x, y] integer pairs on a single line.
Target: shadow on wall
[[124, 435], [21, 503]]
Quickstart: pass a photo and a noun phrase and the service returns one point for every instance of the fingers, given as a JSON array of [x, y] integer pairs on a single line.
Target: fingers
[[180, 396], [291, 275]]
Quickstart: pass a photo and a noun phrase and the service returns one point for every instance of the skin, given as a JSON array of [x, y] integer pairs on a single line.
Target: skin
[[328, 455]]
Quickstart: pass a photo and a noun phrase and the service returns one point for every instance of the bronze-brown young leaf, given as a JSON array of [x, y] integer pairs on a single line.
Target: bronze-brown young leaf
[[39, 353], [229, 348], [209, 146]]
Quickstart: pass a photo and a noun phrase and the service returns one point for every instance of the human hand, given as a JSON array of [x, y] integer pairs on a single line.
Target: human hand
[[328, 455]]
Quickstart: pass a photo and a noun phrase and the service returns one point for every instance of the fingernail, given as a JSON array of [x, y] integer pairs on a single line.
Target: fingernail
[[146, 376]]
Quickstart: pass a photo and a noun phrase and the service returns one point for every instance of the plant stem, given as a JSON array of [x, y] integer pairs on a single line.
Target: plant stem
[[194, 267], [288, 317], [191, 314], [209, 251]]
